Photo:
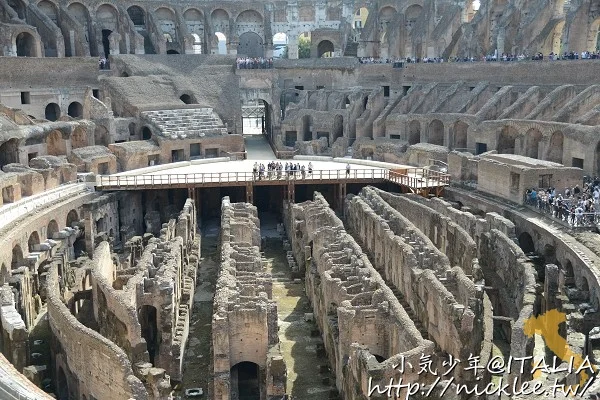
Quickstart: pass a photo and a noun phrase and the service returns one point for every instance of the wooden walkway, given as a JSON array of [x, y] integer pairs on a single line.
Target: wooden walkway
[[417, 180]]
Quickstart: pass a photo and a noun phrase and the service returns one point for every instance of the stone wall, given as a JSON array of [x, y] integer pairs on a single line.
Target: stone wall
[[244, 327], [445, 300], [365, 329], [110, 375]]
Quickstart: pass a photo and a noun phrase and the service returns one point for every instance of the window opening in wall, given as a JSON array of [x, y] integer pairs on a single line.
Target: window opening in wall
[[515, 180], [386, 91], [195, 150], [103, 168], [25, 99], [176, 155], [394, 136], [405, 90], [31, 156], [577, 162], [319, 87], [96, 93], [480, 148], [300, 87], [545, 181]]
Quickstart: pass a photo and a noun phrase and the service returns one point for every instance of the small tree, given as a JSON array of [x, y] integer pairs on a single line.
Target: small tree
[[303, 48]]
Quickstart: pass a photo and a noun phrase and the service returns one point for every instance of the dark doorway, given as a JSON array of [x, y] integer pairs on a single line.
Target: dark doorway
[[52, 112], [147, 318], [146, 133], [75, 110], [526, 243], [25, 45], [248, 385], [105, 42]]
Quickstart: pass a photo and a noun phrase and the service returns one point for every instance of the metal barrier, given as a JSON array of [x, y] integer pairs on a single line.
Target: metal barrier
[[419, 178], [239, 177], [565, 213]]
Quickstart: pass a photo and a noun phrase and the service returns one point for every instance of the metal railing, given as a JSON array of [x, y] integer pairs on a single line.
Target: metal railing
[[238, 177], [567, 213]]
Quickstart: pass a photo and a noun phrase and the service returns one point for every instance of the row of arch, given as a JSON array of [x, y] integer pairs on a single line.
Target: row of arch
[[34, 240], [52, 111], [506, 142]]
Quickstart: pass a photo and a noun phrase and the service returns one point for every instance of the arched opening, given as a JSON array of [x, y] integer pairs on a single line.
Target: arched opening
[[51, 229], [25, 45], [18, 7], [33, 241], [81, 15], [436, 132], [550, 253], [472, 6], [9, 152], [55, 144], [148, 320], [555, 148], [414, 132], [359, 20], [533, 138], [338, 127], [325, 49], [221, 43], [411, 16], [197, 45], [49, 9], [569, 270], [62, 390], [75, 110], [187, 99], [280, 42], [506, 140], [585, 287], [172, 52], [106, 42], [146, 133], [124, 74], [251, 45], [17, 257], [137, 15], [166, 21], [306, 128], [72, 217], [52, 112], [553, 42], [245, 381], [101, 137], [526, 243], [460, 135]]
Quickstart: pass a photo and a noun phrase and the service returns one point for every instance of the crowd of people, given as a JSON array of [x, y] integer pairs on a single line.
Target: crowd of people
[[289, 170], [575, 206], [104, 63], [254, 63]]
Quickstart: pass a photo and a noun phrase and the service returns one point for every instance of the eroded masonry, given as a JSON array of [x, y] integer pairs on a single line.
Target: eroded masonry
[[438, 198]]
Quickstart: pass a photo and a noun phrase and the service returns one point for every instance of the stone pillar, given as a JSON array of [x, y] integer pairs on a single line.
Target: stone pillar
[[551, 288], [114, 40], [292, 47]]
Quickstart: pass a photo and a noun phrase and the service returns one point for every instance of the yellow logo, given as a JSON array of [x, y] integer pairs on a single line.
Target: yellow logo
[[546, 325]]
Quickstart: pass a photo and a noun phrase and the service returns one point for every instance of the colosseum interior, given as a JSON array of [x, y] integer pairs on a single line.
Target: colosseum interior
[[299, 200]]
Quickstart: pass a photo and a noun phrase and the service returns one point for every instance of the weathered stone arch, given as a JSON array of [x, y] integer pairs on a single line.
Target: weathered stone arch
[[49, 9], [72, 217], [249, 17], [137, 15], [460, 130], [81, 13], [306, 13], [251, 45], [107, 17], [146, 133], [75, 110], [506, 140], [56, 145], [555, 148], [9, 152], [51, 229], [33, 241], [52, 112], [435, 132], [219, 19], [17, 257], [532, 142], [325, 48], [553, 41], [194, 20], [26, 45], [414, 132]]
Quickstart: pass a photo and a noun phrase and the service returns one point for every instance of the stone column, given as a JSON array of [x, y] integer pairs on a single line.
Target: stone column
[[292, 47]]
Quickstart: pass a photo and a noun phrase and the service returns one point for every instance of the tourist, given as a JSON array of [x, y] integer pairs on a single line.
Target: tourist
[[348, 170]]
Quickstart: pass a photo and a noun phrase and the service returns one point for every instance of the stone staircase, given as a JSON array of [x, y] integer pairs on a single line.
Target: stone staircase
[[351, 49], [186, 123]]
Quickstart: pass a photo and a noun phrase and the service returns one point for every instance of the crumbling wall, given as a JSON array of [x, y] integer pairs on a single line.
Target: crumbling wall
[[244, 327], [359, 316], [445, 301], [98, 366]]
